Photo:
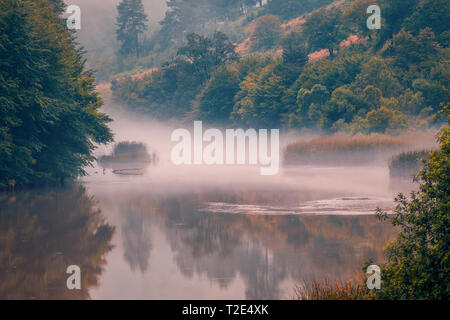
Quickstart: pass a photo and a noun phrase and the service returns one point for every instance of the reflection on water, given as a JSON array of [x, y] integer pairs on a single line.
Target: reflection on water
[[41, 234], [171, 246]]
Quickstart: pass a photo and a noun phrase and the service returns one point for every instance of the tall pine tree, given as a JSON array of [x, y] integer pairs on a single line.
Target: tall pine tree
[[131, 22]]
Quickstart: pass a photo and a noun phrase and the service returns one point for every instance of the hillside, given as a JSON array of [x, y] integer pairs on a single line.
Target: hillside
[[322, 70]]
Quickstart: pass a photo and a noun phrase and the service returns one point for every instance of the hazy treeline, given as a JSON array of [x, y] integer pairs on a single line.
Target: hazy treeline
[[160, 43], [386, 81]]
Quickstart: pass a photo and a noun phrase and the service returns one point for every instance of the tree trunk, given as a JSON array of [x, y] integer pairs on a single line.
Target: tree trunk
[[137, 45], [331, 50]]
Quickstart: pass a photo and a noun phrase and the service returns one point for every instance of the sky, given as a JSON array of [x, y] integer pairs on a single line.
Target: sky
[[98, 17]]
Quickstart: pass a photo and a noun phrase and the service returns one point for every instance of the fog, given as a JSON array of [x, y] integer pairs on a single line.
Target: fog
[[240, 188], [98, 18]]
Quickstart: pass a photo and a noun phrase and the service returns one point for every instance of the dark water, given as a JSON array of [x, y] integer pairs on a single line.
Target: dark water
[[136, 240]]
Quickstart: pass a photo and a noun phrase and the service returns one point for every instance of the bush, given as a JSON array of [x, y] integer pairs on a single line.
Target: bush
[[127, 151], [407, 164], [418, 261]]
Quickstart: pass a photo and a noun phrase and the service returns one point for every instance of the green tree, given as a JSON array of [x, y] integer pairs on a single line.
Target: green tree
[[385, 118], [266, 32], [206, 54], [355, 18], [431, 14], [295, 57], [258, 103], [131, 22], [394, 14], [216, 100], [323, 30], [49, 119], [289, 9], [409, 51], [418, 260]]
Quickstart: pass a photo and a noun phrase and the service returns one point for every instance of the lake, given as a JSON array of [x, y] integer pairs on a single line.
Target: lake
[[199, 232]]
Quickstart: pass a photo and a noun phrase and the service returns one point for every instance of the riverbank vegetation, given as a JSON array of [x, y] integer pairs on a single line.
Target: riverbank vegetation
[[417, 262], [326, 289], [49, 115], [345, 149], [406, 164]]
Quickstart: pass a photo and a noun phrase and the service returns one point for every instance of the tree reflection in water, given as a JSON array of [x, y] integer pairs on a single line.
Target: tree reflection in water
[[42, 233], [263, 251]]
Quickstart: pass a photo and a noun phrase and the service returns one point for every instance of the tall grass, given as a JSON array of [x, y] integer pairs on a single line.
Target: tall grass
[[341, 149], [326, 289], [406, 164]]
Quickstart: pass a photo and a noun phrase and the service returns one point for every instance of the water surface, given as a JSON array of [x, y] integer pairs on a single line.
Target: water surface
[[194, 232]]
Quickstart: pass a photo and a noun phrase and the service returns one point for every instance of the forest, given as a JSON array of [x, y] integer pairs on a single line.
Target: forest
[[312, 67], [49, 115], [327, 73]]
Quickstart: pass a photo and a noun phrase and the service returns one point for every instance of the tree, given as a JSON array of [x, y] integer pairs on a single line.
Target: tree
[[289, 9], [49, 118], [394, 13], [343, 105], [323, 29], [385, 118], [131, 22], [355, 18], [266, 32], [430, 14], [418, 260], [379, 73], [206, 54], [216, 100], [295, 57], [258, 103], [409, 51]]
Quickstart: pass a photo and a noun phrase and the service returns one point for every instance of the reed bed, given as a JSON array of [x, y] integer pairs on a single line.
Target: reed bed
[[326, 289], [342, 150], [407, 164]]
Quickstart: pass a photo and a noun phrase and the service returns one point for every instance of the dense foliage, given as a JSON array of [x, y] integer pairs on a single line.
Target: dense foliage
[[289, 9], [418, 261], [131, 22], [378, 81], [406, 164], [168, 90], [49, 118]]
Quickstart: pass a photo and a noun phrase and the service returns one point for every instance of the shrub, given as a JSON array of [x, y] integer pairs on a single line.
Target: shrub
[[418, 261], [407, 164]]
